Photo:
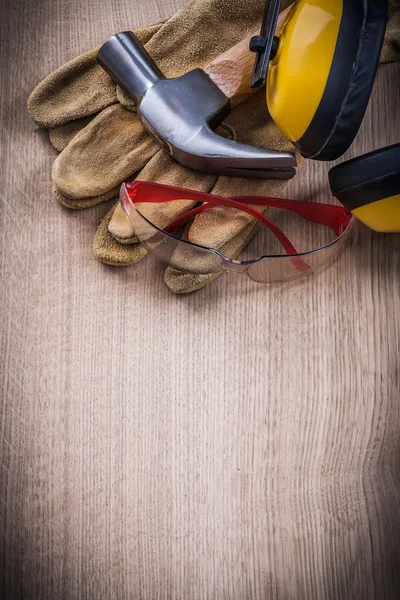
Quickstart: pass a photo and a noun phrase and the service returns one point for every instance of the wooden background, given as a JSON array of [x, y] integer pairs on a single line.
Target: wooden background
[[238, 443]]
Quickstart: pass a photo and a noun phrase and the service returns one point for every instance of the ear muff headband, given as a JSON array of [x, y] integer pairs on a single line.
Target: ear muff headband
[[369, 186], [320, 80]]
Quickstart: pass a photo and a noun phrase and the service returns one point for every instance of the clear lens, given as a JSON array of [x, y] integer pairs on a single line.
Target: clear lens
[[280, 269], [170, 250], [317, 247]]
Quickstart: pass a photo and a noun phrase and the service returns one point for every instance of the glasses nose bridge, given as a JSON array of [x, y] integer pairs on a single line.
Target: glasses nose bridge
[[233, 266]]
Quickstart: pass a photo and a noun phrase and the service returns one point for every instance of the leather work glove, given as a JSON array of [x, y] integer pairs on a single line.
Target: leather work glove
[[101, 152]]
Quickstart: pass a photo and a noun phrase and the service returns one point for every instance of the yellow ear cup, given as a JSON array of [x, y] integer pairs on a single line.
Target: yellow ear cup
[[382, 215], [320, 80], [369, 187], [299, 72]]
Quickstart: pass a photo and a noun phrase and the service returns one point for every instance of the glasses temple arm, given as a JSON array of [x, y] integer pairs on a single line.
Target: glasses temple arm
[[329, 215]]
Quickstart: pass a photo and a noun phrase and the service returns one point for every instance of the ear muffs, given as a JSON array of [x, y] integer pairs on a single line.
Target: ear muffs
[[369, 186], [320, 80]]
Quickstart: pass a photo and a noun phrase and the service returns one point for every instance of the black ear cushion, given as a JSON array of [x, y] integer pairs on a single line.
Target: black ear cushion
[[351, 78], [368, 178]]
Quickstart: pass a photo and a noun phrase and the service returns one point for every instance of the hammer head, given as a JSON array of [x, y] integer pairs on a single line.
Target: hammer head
[[181, 114]]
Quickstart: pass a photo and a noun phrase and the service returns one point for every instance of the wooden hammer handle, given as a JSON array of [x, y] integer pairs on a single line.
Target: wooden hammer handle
[[232, 71]]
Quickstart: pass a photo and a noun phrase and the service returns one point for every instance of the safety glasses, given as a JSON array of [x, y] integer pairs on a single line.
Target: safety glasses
[[299, 237]]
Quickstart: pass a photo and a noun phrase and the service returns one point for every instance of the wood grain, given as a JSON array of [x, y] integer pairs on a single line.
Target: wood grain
[[238, 443], [232, 70]]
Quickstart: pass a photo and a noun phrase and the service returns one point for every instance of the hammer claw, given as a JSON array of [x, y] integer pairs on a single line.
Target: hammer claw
[[211, 153]]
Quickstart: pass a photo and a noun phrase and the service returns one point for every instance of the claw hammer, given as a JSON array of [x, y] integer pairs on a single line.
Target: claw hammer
[[181, 113]]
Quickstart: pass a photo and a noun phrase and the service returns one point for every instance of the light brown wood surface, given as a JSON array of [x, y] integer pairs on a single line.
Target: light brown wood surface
[[238, 443]]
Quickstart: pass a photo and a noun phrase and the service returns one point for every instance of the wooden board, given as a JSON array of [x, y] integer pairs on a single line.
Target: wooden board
[[241, 442]]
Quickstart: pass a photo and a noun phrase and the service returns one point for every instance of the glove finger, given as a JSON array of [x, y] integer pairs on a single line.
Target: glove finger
[[77, 89], [108, 250], [184, 283], [120, 227], [106, 152], [61, 136], [82, 203], [222, 225]]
